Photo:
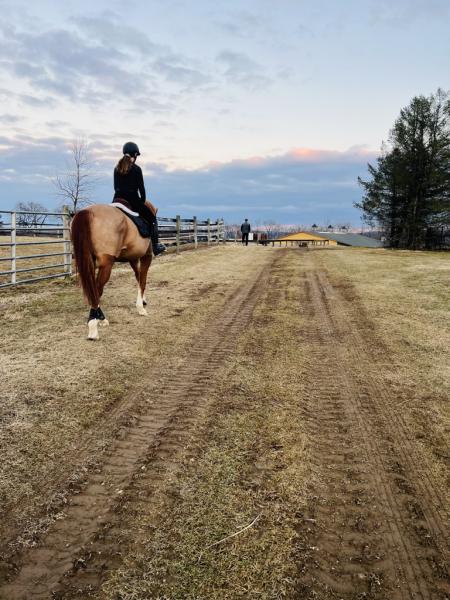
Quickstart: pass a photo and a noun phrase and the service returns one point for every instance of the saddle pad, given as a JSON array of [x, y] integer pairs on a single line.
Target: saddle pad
[[125, 209], [141, 224]]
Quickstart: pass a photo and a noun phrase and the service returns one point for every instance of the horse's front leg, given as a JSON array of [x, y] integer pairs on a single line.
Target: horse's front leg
[[140, 270], [146, 261], [135, 265]]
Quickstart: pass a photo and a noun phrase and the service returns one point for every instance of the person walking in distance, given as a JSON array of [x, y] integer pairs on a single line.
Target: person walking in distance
[[245, 230]]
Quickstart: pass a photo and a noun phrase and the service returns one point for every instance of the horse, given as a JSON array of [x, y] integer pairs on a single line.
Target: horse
[[102, 235]]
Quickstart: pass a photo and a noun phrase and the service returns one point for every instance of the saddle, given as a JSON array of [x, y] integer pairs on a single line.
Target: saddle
[[141, 224]]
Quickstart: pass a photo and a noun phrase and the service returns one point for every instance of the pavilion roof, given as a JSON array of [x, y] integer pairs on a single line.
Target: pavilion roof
[[301, 236]]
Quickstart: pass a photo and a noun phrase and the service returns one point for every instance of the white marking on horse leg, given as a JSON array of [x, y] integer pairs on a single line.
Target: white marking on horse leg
[[93, 329], [140, 303], [104, 323]]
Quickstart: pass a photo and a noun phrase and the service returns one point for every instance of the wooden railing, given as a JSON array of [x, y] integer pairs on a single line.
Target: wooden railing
[[51, 231]]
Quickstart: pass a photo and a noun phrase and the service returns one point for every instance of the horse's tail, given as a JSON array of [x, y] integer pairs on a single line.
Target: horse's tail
[[84, 255]]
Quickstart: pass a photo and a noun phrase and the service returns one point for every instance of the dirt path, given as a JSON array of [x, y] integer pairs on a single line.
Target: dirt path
[[377, 526], [284, 393], [69, 545]]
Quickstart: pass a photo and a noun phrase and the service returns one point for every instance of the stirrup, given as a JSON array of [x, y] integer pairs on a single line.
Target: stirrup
[[159, 249]]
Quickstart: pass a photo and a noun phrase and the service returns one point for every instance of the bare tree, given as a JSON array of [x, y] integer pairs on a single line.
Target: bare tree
[[35, 214], [232, 231], [273, 229], [76, 184]]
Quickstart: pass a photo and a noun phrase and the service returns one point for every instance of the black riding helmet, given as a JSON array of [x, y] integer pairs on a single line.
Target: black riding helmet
[[131, 148]]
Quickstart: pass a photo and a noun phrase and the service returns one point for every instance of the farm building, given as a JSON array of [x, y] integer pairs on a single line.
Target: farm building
[[304, 238], [352, 239]]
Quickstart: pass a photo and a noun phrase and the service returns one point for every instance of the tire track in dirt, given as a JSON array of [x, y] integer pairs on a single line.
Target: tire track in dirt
[[392, 420], [89, 519], [366, 527]]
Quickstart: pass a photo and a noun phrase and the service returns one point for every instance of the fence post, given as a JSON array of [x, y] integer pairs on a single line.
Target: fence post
[[13, 247], [209, 231], [218, 231], [222, 231], [195, 233], [66, 238], [178, 229]]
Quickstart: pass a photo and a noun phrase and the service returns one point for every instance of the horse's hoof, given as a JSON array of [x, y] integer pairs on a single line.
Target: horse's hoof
[[93, 329], [104, 323], [143, 312]]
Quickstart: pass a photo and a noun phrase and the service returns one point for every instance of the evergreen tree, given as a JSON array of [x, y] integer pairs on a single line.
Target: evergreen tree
[[409, 190]]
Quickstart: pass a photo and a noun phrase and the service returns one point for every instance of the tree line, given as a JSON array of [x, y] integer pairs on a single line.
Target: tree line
[[408, 192]]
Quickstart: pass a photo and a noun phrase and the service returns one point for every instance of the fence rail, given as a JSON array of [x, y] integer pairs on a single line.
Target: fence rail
[[174, 232]]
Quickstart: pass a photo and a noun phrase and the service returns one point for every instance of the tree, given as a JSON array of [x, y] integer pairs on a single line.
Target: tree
[[76, 184], [408, 194], [273, 229], [30, 218]]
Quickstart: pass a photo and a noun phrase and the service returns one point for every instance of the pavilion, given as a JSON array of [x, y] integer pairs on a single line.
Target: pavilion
[[304, 238]]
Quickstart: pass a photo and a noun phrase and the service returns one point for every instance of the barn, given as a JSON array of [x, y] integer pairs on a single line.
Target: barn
[[304, 238]]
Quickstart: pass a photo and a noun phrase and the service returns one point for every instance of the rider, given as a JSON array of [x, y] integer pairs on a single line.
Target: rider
[[129, 185]]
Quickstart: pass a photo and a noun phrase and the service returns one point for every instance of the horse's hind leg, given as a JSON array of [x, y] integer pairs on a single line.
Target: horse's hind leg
[[104, 272]]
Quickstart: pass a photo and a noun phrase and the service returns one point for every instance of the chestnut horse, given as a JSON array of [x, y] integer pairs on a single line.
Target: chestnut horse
[[101, 235]]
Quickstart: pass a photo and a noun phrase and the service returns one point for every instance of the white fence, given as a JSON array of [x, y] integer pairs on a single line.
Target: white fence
[[25, 228]]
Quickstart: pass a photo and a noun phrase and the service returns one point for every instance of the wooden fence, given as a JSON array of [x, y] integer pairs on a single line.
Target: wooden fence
[[47, 232]]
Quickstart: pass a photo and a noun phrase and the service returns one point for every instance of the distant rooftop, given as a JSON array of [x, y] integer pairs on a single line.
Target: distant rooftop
[[351, 239], [301, 236]]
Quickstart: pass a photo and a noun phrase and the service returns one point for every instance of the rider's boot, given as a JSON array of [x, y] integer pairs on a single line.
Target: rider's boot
[[157, 247]]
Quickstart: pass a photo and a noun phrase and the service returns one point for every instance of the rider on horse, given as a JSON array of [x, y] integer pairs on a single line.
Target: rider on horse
[[129, 185]]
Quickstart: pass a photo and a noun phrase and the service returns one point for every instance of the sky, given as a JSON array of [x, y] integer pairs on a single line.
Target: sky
[[249, 108]]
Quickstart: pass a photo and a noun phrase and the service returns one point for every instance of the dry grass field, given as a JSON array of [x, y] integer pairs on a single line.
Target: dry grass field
[[39, 245], [276, 428]]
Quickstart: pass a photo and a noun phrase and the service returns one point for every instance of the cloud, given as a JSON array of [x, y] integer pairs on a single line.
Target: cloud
[[94, 61], [405, 12], [8, 119], [173, 69], [304, 183], [7, 96], [108, 28], [243, 24], [242, 70]]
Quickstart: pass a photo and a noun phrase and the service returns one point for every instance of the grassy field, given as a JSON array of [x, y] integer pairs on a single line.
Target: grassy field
[[221, 510]]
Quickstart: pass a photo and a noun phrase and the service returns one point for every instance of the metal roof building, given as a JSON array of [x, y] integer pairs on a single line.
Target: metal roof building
[[352, 239]]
